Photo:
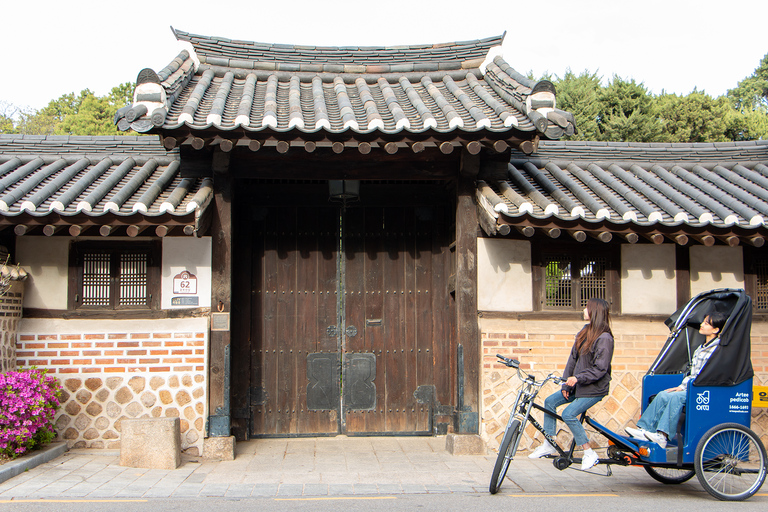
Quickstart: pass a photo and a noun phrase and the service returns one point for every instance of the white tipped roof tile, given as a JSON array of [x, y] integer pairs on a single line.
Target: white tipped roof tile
[[43, 175], [258, 86], [717, 184]]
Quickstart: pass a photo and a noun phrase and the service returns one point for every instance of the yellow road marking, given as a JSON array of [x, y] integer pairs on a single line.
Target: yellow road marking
[[585, 495], [339, 498]]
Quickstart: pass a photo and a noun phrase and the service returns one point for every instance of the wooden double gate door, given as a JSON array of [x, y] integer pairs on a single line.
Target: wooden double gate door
[[351, 320]]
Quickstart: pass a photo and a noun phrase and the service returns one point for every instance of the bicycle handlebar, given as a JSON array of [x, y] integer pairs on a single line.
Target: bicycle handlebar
[[514, 363]]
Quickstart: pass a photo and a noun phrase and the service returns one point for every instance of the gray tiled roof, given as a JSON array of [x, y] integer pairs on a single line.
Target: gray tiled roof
[[698, 185], [100, 177], [407, 89]]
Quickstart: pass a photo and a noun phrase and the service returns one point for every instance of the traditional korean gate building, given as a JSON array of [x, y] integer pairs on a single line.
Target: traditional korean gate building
[[364, 228]]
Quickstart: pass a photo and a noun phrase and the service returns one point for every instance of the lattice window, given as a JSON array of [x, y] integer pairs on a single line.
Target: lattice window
[[570, 280], [114, 276], [97, 279], [761, 284]]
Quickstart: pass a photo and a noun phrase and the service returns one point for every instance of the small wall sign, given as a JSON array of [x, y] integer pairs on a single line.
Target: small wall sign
[[759, 396], [219, 321], [185, 301], [185, 283]]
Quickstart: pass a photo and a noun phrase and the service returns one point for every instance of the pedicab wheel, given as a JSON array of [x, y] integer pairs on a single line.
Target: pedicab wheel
[[505, 455], [670, 476], [730, 462]]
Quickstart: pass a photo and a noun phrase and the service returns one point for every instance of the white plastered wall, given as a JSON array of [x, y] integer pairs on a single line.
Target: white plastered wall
[[716, 267], [504, 279], [46, 259], [648, 284], [192, 255]]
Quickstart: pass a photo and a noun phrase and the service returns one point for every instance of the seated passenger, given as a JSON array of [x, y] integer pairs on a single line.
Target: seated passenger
[[661, 416]]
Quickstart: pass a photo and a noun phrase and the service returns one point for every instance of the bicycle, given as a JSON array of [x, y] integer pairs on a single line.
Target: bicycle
[[712, 441], [519, 417]]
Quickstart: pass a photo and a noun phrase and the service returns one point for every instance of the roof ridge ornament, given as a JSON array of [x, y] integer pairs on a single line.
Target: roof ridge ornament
[[496, 51]]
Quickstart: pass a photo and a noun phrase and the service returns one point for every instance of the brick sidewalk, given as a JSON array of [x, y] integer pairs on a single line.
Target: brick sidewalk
[[314, 467]]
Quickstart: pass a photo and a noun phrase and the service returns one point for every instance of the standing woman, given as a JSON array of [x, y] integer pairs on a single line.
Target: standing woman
[[588, 375]]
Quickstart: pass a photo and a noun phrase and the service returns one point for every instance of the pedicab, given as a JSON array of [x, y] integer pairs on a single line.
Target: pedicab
[[713, 440]]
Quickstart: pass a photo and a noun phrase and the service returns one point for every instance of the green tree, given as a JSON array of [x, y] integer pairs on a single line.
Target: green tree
[[625, 112], [579, 96], [7, 113], [752, 92], [74, 114], [696, 117]]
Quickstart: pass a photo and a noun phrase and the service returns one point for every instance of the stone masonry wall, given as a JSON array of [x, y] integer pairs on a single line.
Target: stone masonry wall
[[10, 315], [543, 346], [115, 370]]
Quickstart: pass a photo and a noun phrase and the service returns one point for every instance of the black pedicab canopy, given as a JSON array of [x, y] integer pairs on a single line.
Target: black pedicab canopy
[[730, 364]]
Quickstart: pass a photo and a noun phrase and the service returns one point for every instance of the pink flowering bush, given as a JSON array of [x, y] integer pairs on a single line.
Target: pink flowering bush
[[28, 401]]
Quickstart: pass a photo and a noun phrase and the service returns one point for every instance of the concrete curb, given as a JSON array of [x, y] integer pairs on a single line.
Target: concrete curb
[[29, 461]]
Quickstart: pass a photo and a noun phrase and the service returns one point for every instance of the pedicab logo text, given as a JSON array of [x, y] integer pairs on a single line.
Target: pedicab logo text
[[702, 401], [739, 403]]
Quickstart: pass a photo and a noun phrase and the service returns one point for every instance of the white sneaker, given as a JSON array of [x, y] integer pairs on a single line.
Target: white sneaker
[[589, 459], [543, 450], [658, 438], [636, 433]]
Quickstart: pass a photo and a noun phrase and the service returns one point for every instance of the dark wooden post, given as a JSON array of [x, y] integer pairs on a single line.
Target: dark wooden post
[[221, 296], [683, 272], [466, 297]]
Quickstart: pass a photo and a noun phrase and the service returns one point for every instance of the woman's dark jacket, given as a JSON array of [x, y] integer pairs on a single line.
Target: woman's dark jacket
[[592, 370]]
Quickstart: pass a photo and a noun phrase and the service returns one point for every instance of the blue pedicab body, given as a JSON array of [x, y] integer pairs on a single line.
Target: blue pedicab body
[[705, 408]]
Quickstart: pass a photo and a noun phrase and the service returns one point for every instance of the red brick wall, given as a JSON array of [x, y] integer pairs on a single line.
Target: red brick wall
[[113, 370], [113, 352]]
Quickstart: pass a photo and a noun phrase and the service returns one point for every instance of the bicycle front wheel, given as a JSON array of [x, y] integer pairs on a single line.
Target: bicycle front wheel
[[508, 444], [730, 462]]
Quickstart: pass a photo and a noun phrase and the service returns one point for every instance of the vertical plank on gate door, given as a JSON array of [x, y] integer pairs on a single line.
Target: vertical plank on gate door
[[257, 378], [374, 328], [327, 299], [443, 340], [394, 280], [355, 270], [306, 315], [425, 226], [241, 335], [286, 327], [410, 343], [269, 344]]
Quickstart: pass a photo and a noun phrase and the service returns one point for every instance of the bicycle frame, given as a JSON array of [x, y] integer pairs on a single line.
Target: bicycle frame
[[525, 402]]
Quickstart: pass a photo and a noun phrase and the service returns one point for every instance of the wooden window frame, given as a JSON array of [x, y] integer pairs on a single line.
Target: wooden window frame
[[153, 250], [752, 256], [575, 250]]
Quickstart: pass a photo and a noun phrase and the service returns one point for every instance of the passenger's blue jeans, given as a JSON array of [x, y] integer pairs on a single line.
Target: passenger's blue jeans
[[663, 413], [570, 414]]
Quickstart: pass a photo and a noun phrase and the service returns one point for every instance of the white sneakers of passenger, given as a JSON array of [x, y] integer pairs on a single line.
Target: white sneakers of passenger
[[543, 450], [589, 459], [657, 437], [636, 433]]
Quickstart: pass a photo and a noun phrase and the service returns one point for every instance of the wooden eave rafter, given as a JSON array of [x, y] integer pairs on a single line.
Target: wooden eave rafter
[[494, 224], [372, 143], [108, 224]]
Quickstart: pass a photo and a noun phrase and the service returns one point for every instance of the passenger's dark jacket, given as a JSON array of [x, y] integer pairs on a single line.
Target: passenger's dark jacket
[[592, 370]]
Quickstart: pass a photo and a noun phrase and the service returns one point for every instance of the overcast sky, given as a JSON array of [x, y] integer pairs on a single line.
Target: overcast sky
[[52, 47]]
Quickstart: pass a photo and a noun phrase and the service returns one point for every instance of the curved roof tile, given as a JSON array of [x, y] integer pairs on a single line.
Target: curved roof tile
[[95, 176], [719, 184], [226, 85]]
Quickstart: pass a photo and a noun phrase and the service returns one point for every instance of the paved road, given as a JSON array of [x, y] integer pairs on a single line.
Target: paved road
[[335, 470]]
